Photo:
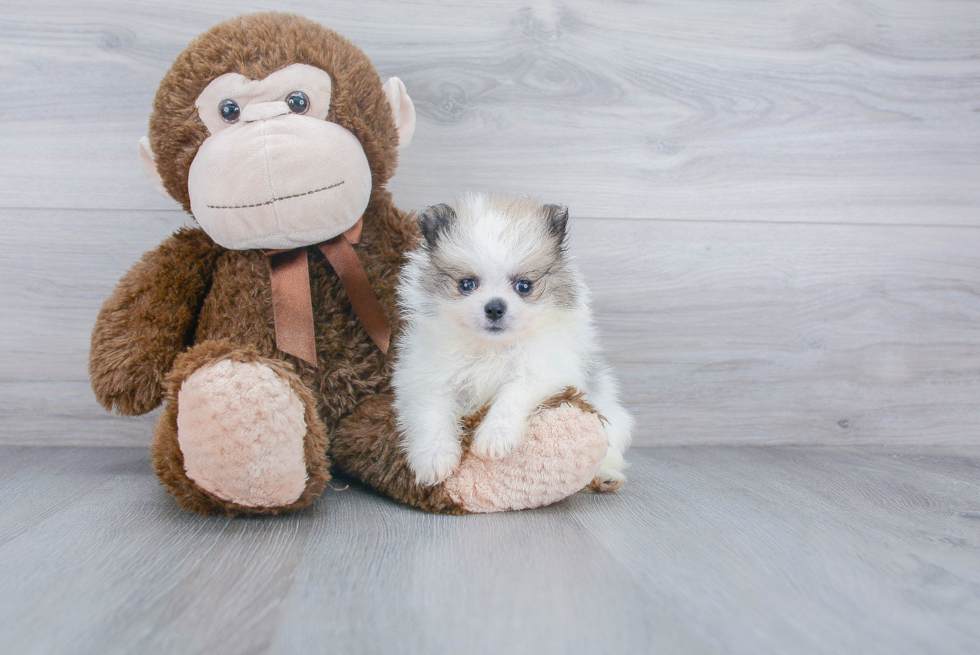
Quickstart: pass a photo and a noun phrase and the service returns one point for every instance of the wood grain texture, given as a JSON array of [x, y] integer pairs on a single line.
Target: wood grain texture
[[476, 586], [864, 111], [767, 549], [776, 206], [738, 333], [66, 413], [783, 299], [720, 332], [706, 550]]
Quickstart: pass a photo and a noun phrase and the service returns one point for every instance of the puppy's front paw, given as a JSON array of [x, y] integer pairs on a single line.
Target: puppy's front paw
[[496, 438], [434, 464]]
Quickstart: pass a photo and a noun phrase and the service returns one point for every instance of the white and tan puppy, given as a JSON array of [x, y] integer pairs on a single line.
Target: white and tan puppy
[[495, 312]]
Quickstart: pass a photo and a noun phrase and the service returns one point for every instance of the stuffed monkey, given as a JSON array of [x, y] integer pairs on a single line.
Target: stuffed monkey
[[266, 329]]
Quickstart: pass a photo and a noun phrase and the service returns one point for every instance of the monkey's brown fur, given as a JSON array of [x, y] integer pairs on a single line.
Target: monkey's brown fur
[[190, 302], [191, 291]]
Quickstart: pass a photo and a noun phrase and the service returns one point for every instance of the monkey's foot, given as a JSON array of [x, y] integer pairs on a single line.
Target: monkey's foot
[[559, 454], [245, 432]]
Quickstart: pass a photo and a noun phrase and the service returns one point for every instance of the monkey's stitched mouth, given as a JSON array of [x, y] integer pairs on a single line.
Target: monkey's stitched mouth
[[269, 202]]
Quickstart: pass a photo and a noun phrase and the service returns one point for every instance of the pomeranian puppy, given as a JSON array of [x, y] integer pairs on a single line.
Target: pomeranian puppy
[[497, 313]]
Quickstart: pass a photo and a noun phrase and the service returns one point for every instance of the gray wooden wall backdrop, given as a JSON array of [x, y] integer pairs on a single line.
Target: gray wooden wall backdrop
[[776, 203]]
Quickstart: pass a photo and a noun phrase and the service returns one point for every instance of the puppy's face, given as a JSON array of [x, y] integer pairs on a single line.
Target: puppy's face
[[495, 266]]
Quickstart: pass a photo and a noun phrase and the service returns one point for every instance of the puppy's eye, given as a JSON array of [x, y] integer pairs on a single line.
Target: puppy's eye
[[298, 102], [468, 285], [523, 287], [230, 111]]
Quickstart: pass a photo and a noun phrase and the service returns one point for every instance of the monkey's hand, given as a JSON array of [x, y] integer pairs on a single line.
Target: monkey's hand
[[148, 320]]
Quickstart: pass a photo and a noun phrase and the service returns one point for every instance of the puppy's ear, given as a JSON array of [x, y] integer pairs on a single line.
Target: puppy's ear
[[557, 217], [435, 220]]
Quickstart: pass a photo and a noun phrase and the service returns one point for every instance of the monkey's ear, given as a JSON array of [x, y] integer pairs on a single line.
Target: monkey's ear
[[557, 217], [403, 108], [149, 165], [434, 220]]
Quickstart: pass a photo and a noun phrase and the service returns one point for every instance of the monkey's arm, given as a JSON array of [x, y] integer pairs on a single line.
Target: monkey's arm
[[148, 320]]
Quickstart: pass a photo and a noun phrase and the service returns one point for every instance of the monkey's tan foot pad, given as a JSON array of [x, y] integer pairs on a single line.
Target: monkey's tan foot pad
[[241, 429], [561, 451]]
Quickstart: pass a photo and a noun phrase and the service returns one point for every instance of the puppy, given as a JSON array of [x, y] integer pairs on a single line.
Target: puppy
[[495, 312]]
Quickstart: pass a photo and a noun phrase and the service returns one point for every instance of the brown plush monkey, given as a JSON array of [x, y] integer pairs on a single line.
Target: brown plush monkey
[[265, 331]]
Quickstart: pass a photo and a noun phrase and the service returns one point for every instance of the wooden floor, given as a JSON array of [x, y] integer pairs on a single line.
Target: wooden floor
[[707, 550]]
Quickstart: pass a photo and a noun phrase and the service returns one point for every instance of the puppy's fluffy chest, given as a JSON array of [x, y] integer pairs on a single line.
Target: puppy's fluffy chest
[[476, 379], [475, 375]]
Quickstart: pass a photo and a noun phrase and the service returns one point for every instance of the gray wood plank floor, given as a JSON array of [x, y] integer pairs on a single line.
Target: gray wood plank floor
[[707, 550]]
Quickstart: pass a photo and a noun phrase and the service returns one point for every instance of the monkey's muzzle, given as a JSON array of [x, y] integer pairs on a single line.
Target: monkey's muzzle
[[278, 182]]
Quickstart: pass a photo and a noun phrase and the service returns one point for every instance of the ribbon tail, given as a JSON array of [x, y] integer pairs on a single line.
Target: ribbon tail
[[342, 257], [292, 305]]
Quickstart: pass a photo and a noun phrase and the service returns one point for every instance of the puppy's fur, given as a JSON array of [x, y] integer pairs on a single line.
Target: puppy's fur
[[495, 312]]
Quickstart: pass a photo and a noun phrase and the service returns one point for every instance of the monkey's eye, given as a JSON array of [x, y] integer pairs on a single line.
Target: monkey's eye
[[230, 111], [468, 285], [298, 102], [523, 287]]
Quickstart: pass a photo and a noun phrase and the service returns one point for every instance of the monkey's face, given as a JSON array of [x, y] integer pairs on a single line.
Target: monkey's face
[[272, 130], [274, 173]]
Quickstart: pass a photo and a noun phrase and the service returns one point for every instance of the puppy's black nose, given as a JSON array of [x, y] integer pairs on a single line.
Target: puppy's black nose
[[495, 309]]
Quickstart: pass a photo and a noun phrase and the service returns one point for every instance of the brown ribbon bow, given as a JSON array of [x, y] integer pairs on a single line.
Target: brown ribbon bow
[[292, 304]]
